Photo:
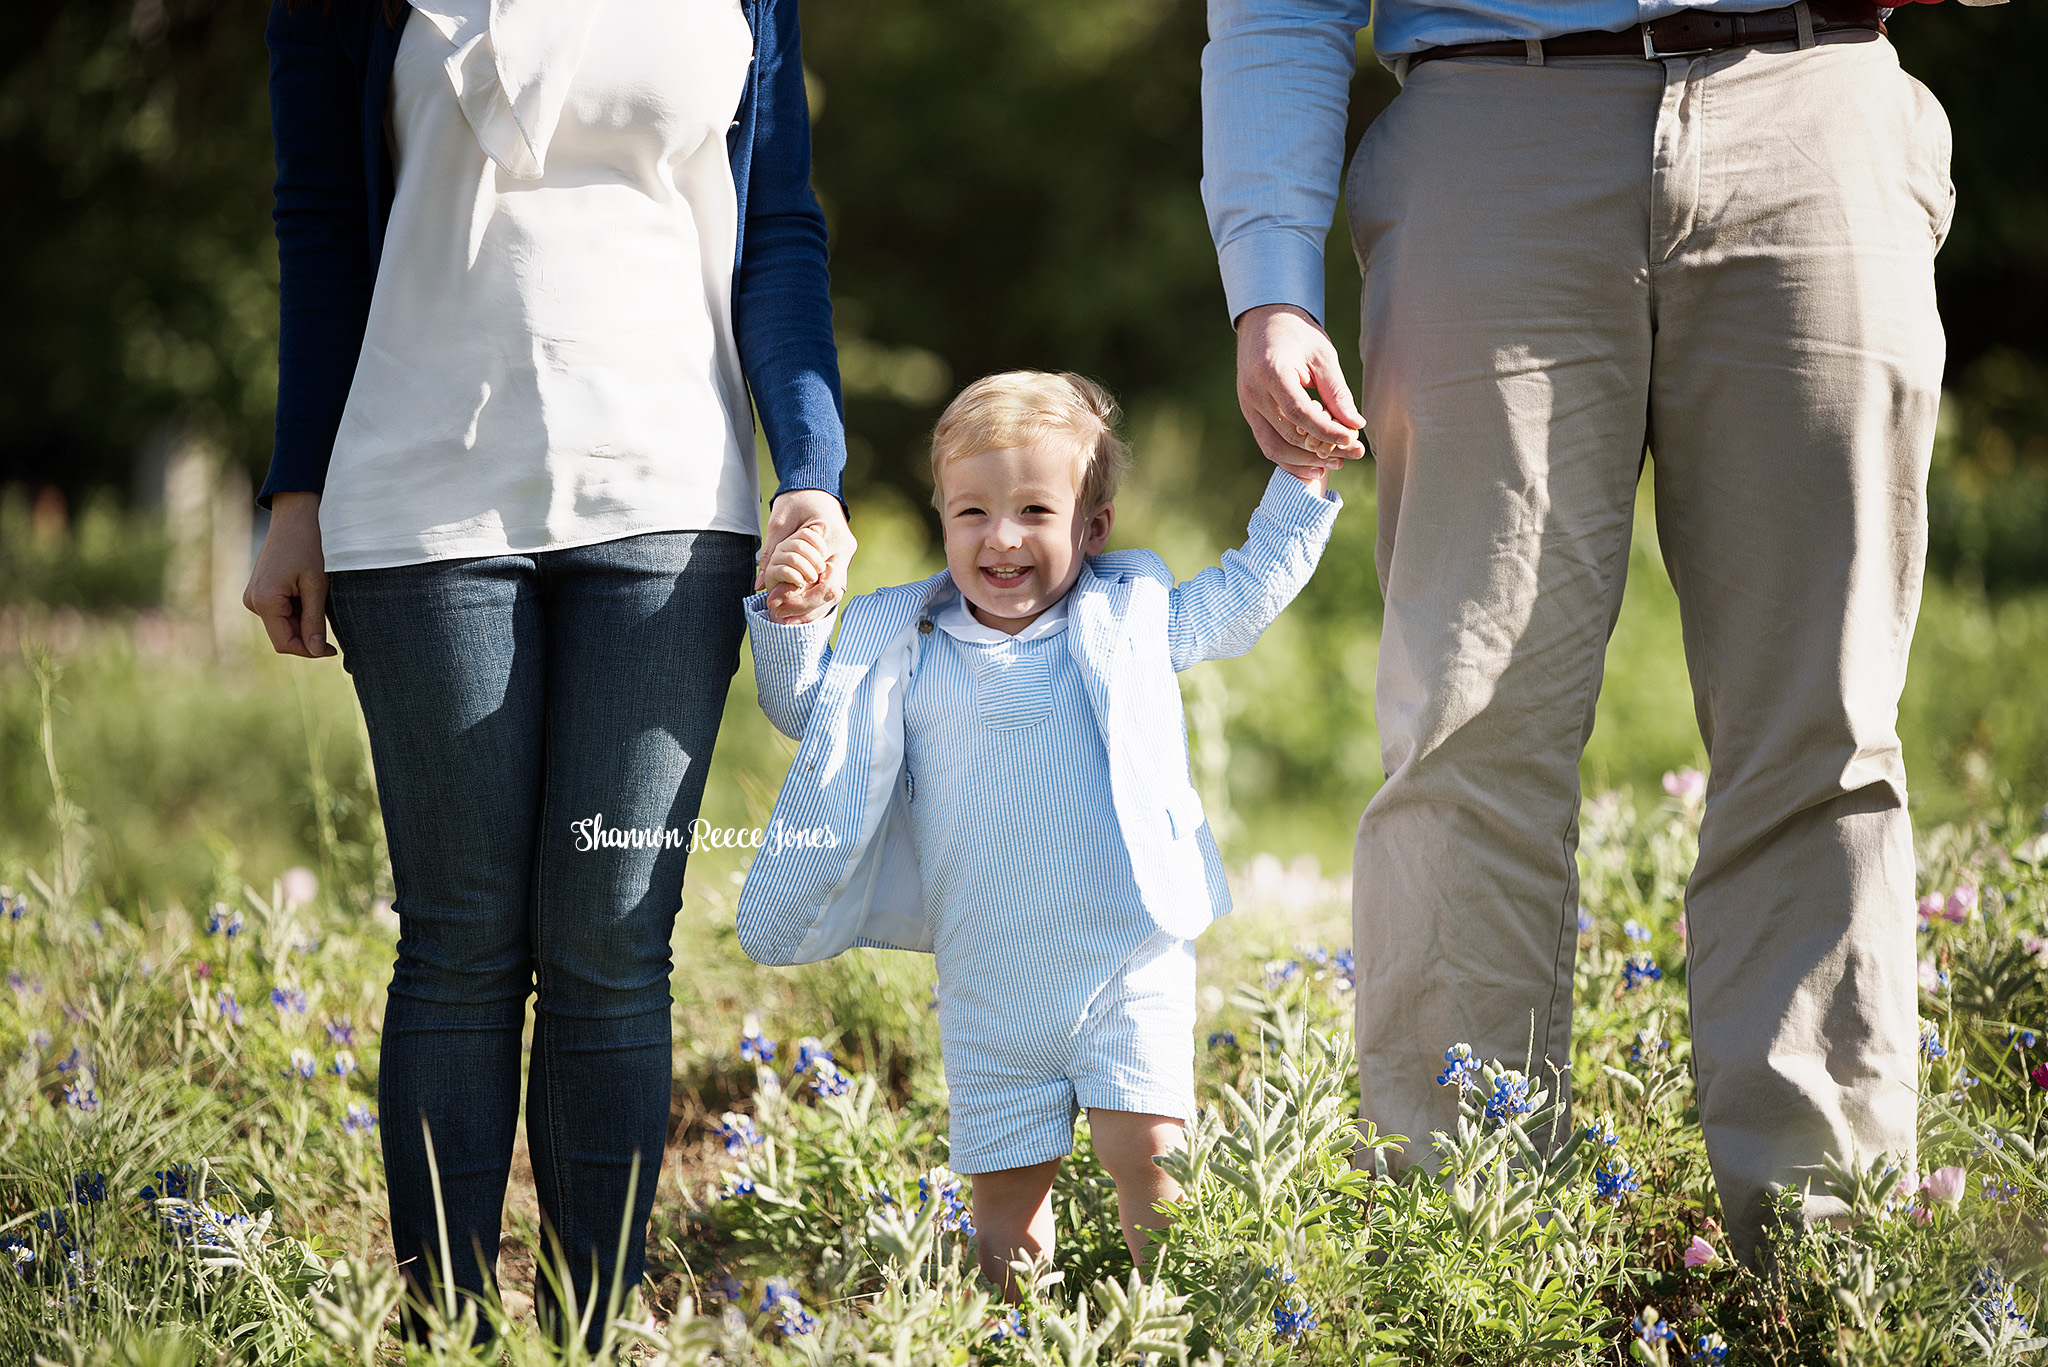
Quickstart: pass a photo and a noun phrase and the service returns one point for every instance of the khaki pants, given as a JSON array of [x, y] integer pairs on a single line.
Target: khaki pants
[[1729, 257]]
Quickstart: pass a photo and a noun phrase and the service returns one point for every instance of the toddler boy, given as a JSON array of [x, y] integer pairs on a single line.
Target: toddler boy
[[993, 768]]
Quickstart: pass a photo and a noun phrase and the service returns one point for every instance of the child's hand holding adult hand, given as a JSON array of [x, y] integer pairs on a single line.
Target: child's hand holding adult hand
[[798, 576]]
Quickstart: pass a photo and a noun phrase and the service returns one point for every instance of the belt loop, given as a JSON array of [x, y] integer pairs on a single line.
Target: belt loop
[[1804, 14], [1535, 52], [1401, 69]]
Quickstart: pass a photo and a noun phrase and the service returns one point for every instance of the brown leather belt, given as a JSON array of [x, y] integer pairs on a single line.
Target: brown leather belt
[[1683, 34]]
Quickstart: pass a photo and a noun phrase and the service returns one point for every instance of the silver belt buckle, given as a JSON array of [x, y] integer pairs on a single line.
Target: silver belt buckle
[[1650, 52]]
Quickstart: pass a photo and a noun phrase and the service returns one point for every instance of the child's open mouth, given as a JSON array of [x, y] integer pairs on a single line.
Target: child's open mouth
[[1004, 574]]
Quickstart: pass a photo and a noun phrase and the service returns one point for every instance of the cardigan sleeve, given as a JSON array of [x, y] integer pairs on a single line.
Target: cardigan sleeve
[[323, 253], [782, 306]]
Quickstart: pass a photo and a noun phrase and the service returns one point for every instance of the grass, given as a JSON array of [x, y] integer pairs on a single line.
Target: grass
[[176, 1190]]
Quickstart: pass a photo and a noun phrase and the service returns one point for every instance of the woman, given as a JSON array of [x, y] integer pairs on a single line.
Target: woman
[[534, 255]]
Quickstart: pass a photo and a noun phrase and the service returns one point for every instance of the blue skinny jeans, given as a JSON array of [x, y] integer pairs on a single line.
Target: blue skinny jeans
[[506, 698]]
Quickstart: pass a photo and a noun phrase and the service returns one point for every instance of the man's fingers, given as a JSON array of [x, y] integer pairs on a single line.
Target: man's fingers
[[1282, 451], [1335, 392]]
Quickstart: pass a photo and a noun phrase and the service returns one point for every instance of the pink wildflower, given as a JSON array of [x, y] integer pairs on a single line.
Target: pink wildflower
[[2040, 1076], [1930, 907], [300, 885], [1961, 903], [1701, 1253], [1687, 785], [1946, 1185], [1681, 927]]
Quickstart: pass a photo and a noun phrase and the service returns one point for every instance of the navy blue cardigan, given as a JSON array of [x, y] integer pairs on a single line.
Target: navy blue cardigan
[[330, 77]]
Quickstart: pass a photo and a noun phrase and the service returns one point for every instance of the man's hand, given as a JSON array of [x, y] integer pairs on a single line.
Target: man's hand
[[288, 587], [817, 524], [1281, 356]]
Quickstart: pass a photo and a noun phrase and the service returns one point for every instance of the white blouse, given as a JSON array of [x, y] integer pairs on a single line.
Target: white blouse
[[549, 359]]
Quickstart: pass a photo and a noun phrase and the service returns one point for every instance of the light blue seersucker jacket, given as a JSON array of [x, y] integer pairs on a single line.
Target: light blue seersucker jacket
[[837, 867]]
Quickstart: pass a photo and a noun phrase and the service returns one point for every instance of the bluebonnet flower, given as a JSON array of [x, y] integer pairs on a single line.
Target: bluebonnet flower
[[1615, 1178], [344, 1063], [2020, 1039], [17, 1252], [1460, 1068], [89, 1187], [1281, 972], [22, 986], [1316, 955], [1585, 920], [1010, 1326], [55, 1223], [358, 1119], [737, 1184], [1646, 1045], [881, 1195], [1964, 1082], [1293, 1319], [1652, 1329], [224, 920], [1223, 1039], [1931, 1046], [953, 1213], [13, 903], [341, 1031], [1992, 1300], [303, 1064], [1510, 1097], [1602, 1131], [738, 1132], [72, 1061], [1273, 1273], [779, 1297], [1638, 969], [1636, 930], [1710, 1348], [755, 1047], [2001, 1192], [176, 1182], [1347, 968], [726, 1287], [810, 1050], [288, 1000], [829, 1081], [81, 1096], [230, 1009]]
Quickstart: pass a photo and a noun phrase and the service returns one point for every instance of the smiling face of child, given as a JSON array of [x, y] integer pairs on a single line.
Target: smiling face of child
[[1016, 530]]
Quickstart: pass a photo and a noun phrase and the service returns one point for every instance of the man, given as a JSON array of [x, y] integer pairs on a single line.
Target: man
[[1587, 228]]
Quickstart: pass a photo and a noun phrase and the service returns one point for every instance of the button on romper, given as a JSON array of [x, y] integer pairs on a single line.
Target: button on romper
[[1056, 989]]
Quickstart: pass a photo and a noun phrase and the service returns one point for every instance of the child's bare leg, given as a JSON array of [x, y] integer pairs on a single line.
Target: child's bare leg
[[1012, 1218], [1127, 1142]]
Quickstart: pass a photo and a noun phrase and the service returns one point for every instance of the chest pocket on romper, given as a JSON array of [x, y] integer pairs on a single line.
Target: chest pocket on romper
[[1012, 687]]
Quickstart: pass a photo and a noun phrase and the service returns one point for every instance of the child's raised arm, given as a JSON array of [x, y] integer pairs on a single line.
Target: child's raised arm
[[1222, 611], [789, 664]]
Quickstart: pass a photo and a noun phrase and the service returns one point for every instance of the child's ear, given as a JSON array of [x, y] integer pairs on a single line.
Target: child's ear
[[1097, 535]]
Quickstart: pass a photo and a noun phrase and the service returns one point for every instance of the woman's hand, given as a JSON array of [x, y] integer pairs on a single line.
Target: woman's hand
[[288, 588], [817, 521]]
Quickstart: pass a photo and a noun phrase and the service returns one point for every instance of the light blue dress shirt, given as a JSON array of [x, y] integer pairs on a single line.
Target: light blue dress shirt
[[1275, 77]]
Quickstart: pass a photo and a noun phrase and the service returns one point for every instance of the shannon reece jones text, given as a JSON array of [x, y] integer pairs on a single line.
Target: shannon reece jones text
[[592, 834]]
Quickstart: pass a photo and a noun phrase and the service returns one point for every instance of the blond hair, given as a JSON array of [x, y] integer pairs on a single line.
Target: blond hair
[[1018, 407]]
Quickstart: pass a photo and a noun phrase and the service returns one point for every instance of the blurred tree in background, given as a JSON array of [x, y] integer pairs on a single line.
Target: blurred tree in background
[[1009, 183]]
